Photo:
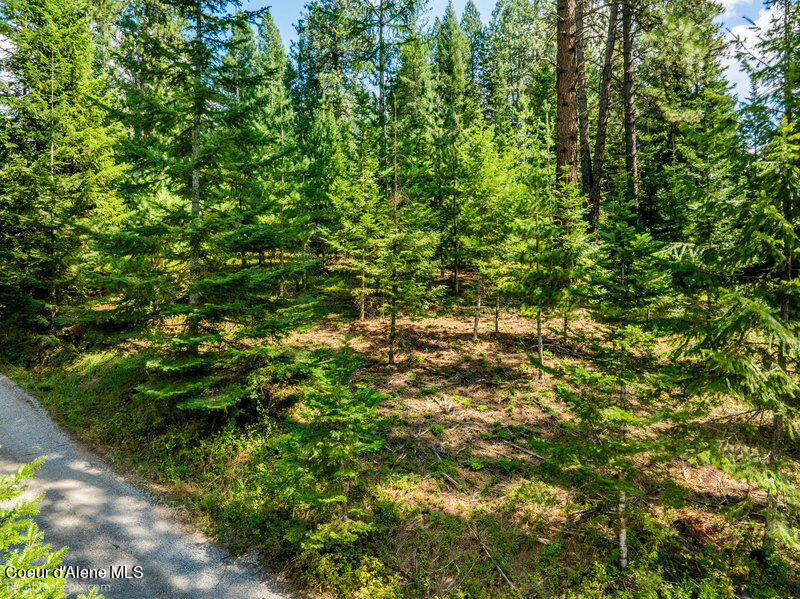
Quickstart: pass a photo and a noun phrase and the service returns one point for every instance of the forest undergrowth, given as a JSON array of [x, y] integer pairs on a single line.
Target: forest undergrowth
[[452, 473]]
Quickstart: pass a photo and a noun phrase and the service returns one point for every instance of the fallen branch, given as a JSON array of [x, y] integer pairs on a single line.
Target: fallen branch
[[496, 565], [528, 451], [450, 479]]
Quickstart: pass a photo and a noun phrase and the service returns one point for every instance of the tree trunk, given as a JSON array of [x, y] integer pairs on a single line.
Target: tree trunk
[[477, 314], [623, 531], [540, 342], [583, 108], [53, 286], [393, 323], [602, 115], [194, 244], [497, 315], [363, 293], [382, 78], [455, 247], [566, 92], [392, 335], [788, 210], [282, 286], [631, 150]]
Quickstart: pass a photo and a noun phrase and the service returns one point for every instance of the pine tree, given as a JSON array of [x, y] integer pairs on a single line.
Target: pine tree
[[551, 253], [363, 214], [413, 93], [197, 192], [282, 166], [57, 171], [475, 31], [772, 66], [491, 203], [319, 457], [328, 81], [690, 148], [518, 70], [450, 57], [22, 547], [405, 270], [610, 400], [747, 346]]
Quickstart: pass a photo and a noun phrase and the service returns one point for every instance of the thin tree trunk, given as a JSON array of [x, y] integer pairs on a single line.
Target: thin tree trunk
[[631, 149], [382, 81], [566, 92], [623, 531], [282, 286], [393, 322], [194, 245], [477, 313], [623, 526], [455, 238], [602, 115], [583, 109], [788, 209], [540, 342], [53, 288], [392, 334], [497, 315], [772, 499], [363, 294]]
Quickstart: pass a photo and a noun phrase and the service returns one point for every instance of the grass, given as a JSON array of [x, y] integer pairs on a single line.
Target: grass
[[460, 499]]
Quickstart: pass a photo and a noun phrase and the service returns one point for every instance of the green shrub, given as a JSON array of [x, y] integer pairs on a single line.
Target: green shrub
[[22, 546]]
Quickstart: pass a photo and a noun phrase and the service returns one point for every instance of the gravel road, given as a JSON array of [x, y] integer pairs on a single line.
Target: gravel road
[[106, 522]]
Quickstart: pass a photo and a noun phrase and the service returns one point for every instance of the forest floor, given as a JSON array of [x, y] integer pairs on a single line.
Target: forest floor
[[467, 498]]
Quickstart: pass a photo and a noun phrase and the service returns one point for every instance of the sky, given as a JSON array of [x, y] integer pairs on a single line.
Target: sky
[[734, 20]]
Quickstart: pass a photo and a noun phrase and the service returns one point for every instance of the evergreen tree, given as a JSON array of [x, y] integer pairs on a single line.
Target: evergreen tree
[[518, 73], [772, 66], [450, 59], [405, 270], [625, 289], [690, 147], [475, 31], [22, 547], [282, 166], [199, 202], [748, 346], [490, 205], [57, 170], [363, 214], [330, 70], [413, 94], [319, 457]]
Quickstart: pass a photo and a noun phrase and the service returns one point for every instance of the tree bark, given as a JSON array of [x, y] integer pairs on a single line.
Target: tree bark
[[631, 150], [566, 92], [602, 115], [583, 108]]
